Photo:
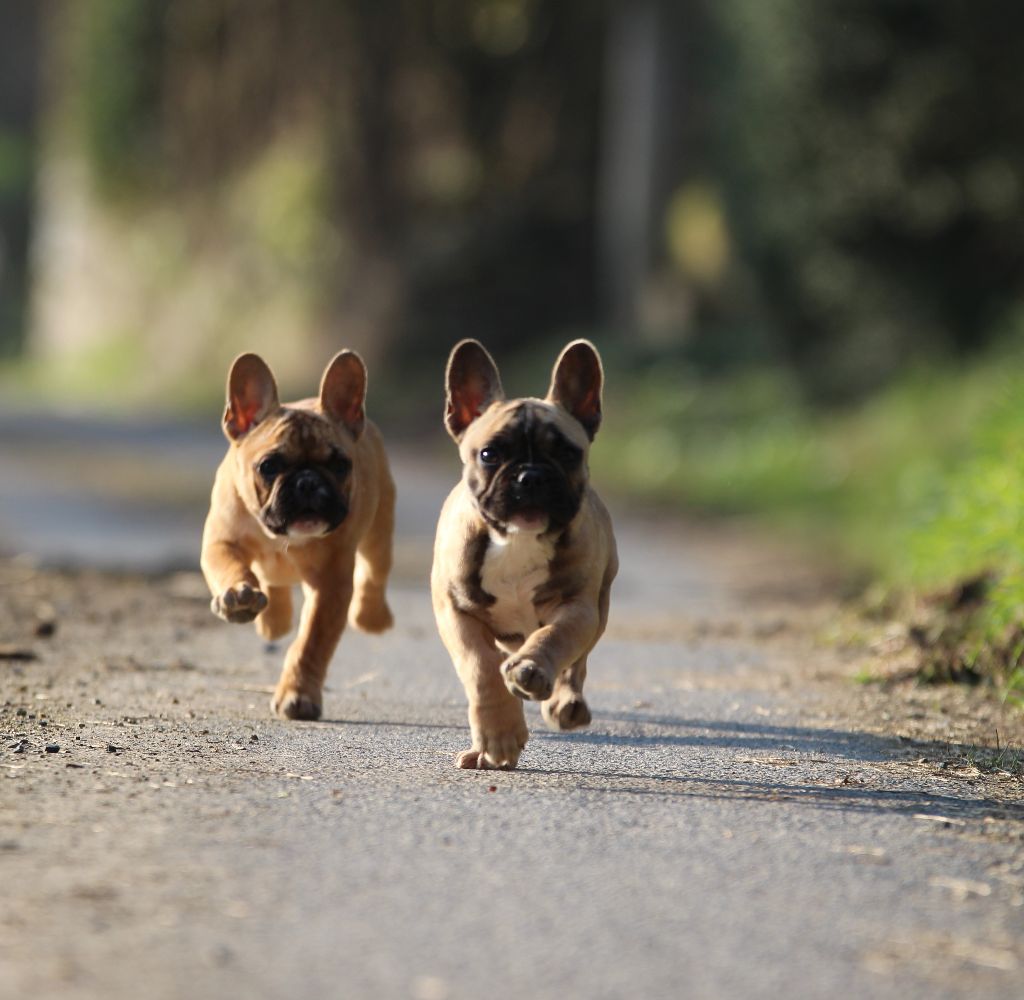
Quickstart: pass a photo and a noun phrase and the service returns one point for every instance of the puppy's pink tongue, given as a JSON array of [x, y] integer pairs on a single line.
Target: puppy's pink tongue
[[530, 520]]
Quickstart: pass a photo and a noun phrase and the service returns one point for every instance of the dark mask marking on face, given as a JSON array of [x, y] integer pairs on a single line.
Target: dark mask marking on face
[[532, 466], [312, 475]]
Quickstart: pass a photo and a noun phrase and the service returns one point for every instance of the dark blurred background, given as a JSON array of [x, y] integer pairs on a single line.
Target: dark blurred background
[[833, 187]]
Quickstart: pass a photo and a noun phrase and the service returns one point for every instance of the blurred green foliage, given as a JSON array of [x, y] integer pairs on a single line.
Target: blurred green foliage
[[15, 164], [16, 161], [922, 486], [119, 48], [870, 153]]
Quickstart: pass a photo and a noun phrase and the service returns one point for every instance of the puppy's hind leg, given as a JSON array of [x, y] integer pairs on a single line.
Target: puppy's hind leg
[[370, 611], [299, 692], [276, 618], [567, 708]]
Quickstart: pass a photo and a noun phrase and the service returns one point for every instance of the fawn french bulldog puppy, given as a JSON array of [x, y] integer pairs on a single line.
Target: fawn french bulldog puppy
[[525, 554], [303, 496]]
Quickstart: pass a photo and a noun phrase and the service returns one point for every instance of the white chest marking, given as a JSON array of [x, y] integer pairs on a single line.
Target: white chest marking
[[514, 567]]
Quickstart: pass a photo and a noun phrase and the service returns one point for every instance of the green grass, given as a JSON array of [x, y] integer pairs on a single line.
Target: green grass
[[1008, 760], [922, 486]]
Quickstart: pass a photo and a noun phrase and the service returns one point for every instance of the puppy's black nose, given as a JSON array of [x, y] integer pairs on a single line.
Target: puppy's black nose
[[530, 478], [306, 484]]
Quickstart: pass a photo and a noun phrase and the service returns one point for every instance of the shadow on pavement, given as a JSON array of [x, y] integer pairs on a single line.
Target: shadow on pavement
[[935, 807]]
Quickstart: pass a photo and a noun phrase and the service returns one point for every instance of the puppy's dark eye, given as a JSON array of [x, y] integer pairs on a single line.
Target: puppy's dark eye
[[339, 464], [569, 455], [271, 467], [490, 456]]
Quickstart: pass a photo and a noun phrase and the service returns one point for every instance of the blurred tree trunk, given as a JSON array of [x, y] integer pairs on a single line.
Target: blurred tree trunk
[[19, 87], [640, 121]]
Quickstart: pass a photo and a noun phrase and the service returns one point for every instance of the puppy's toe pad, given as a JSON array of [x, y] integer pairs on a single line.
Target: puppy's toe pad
[[296, 706], [239, 604], [525, 679], [477, 760]]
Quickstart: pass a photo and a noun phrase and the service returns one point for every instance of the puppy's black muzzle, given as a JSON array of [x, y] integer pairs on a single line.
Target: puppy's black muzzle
[[306, 494], [309, 488], [532, 482], [534, 487]]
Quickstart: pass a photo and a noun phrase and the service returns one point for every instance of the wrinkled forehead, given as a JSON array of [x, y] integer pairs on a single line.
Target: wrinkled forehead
[[526, 424], [305, 433]]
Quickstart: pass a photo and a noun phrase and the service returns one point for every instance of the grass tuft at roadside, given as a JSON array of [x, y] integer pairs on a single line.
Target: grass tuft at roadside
[[920, 490]]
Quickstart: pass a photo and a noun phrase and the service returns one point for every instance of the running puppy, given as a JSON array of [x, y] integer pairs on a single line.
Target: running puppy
[[304, 495], [525, 554]]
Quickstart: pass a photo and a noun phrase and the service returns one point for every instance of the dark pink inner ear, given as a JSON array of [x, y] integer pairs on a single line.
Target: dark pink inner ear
[[343, 391], [466, 404], [576, 384], [241, 415], [349, 410], [587, 408], [251, 392], [472, 385]]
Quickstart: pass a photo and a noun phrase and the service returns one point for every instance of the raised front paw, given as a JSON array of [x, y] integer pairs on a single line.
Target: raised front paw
[[526, 678], [239, 604]]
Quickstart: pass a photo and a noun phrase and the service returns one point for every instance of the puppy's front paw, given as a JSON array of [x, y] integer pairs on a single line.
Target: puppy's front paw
[[292, 704], [565, 710], [527, 679], [498, 740], [239, 604]]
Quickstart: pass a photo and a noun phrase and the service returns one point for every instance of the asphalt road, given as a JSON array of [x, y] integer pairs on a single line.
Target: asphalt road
[[714, 834]]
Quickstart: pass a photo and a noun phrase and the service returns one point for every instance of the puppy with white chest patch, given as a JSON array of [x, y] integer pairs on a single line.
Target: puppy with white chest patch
[[303, 496], [525, 554]]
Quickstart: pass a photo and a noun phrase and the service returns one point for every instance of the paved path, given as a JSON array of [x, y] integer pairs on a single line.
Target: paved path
[[713, 834]]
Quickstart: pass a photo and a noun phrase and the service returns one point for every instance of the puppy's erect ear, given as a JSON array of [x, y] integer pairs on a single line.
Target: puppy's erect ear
[[343, 391], [472, 383], [252, 395], [576, 384]]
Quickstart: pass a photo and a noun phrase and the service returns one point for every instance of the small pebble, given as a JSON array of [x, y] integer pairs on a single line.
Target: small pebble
[[46, 630], [111, 748], [19, 653], [21, 712], [52, 748]]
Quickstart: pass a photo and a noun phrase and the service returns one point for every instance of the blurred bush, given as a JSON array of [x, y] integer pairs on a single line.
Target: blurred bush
[[918, 487], [871, 154]]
